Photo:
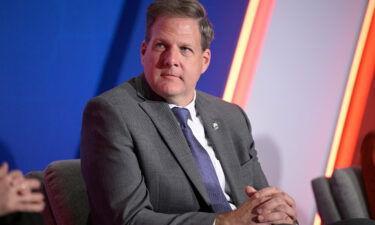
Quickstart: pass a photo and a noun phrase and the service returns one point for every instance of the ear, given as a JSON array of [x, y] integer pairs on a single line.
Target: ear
[[143, 51], [206, 59]]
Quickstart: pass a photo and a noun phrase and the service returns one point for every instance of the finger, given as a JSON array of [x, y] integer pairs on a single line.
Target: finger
[[23, 189], [275, 217], [276, 204], [33, 184], [16, 177], [274, 192], [15, 174], [267, 191], [250, 191], [257, 200], [288, 211], [289, 200], [272, 204], [28, 186], [4, 169], [30, 207], [31, 197]]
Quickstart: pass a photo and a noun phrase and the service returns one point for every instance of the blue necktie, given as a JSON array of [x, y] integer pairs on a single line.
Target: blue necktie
[[218, 201]]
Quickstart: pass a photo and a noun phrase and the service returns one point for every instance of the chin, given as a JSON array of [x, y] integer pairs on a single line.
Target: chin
[[170, 90], [170, 94]]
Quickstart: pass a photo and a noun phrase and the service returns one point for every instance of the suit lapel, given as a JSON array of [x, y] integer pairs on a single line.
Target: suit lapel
[[223, 147], [161, 115]]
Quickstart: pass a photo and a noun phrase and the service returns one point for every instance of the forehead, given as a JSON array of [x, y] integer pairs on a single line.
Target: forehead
[[175, 28]]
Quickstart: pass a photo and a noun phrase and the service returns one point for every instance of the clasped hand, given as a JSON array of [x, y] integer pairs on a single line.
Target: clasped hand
[[16, 192], [266, 206]]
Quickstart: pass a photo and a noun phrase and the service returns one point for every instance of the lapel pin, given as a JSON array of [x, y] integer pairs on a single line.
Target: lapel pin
[[215, 125]]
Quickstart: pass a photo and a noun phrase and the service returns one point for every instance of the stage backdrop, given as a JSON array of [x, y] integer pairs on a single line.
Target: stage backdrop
[[56, 55], [298, 88]]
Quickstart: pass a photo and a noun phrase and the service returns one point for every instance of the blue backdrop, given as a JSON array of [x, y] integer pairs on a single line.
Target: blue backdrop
[[56, 55]]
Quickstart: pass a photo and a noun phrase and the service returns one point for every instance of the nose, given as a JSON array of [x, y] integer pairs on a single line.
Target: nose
[[170, 58]]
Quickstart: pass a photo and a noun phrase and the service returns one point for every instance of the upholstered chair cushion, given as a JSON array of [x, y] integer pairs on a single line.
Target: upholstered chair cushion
[[347, 189], [66, 192], [325, 202]]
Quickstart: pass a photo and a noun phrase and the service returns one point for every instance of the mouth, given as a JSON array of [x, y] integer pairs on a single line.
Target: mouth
[[169, 75]]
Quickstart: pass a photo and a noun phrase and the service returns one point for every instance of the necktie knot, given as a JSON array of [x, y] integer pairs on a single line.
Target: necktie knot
[[181, 114]]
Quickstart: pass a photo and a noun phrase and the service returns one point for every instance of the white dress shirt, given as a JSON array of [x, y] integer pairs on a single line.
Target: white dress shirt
[[195, 124]]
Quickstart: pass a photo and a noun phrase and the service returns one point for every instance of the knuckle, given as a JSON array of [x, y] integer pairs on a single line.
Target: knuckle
[[281, 208]]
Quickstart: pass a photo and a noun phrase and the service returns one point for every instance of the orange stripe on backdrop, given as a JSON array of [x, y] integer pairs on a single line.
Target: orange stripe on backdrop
[[253, 51], [355, 97], [359, 99], [242, 43], [247, 51]]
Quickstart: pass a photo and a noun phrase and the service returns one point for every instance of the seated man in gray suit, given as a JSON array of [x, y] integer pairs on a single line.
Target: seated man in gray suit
[[155, 150]]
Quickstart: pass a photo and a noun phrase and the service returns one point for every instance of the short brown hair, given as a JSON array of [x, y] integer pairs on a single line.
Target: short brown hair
[[181, 8]]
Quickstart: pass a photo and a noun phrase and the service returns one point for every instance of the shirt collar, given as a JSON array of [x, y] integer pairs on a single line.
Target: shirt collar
[[190, 106]]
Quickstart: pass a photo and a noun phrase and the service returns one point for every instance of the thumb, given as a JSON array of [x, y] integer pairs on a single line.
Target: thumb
[[250, 191], [3, 169]]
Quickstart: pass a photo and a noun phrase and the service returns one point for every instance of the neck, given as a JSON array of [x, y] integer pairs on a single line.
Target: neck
[[181, 101]]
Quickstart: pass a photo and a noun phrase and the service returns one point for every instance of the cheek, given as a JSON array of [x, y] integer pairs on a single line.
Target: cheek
[[193, 78], [149, 64]]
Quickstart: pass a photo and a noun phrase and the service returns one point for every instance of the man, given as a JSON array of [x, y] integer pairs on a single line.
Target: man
[[16, 196], [156, 151]]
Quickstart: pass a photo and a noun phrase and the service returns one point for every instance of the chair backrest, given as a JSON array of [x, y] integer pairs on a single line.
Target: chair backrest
[[341, 196], [66, 193], [47, 212]]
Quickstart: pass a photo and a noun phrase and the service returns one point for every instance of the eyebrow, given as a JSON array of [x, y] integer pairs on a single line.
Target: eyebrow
[[179, 43], [185, 44]]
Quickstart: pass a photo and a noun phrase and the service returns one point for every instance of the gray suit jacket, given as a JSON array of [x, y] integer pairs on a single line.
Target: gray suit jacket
[[138, 167]]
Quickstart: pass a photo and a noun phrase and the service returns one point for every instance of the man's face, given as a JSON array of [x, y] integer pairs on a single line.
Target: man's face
[[173, 59]]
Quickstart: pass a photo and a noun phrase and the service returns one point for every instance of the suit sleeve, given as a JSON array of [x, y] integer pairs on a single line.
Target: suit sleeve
[[259, 179], [115, 185]]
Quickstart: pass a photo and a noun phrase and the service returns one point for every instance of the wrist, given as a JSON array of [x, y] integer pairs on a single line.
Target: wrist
[[222, 219]]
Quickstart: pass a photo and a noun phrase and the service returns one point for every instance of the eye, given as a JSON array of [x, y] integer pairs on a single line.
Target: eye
[[160, 45], [186, 49]]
